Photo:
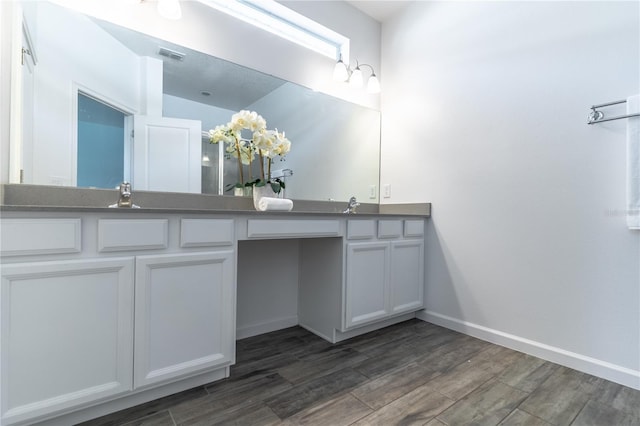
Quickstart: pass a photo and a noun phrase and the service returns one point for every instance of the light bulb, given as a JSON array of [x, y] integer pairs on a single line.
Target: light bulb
[[169, 9], [373, 85], [340, 72], [356, 78]]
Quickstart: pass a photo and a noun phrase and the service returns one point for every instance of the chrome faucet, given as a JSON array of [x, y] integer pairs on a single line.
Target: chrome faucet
[[351, 208], [125, 200]]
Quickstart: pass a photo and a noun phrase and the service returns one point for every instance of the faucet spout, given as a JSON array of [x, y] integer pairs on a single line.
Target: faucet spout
[[351, 208], [125, 200]]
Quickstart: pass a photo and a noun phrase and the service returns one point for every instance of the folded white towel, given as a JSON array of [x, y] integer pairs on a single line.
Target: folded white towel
[[633, 163], [276, 204]]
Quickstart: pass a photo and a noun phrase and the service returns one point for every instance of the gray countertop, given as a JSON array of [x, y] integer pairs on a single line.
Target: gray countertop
[[21, 197]]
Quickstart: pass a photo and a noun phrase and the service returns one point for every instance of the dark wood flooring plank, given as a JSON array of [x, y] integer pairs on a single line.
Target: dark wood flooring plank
[[143, 410], [321, 363], [315, 391], [596, 414], [162, 418], [252, 415], [249, 388], [269, 363], [527, 372], [619, 397], [560, 398], [522, 418], [415, 408], [385, 358], [341, 411], [488, 405], [459, 381], [197, 408], [494, 359], [381, 391]]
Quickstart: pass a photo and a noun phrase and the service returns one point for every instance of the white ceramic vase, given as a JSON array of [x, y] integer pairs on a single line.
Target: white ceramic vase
[[262, 191]]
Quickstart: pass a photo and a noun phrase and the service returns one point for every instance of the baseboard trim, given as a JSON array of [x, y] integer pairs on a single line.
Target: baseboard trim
[[606, 370], [265, 327]]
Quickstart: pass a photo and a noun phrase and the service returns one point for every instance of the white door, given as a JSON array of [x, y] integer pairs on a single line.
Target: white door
[[167, 154], [367, 282], [67, 335], [184, 315]]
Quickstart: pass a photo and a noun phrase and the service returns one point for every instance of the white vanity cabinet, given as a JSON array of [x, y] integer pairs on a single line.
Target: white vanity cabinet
[[384, 270], [98, 309], [367, 289], [184, 315], [370, 278], [67, 330], [106, 309]]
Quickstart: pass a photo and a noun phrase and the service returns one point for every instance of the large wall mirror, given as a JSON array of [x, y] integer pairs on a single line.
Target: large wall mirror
[[88, 84]]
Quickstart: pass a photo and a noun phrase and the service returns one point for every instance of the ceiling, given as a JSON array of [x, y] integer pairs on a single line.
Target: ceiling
[[228, 85], [379, 10]]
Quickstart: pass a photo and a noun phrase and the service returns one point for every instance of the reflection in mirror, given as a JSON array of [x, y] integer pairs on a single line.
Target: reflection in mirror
[[84, 61]]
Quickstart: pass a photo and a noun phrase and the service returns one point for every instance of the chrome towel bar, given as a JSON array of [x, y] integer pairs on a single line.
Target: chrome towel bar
[[596, 116]]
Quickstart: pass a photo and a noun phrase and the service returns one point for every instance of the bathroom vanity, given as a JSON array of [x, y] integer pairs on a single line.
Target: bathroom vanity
[[103, 309]]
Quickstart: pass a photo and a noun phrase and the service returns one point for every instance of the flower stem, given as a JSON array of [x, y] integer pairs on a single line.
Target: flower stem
[[261, 165], [239, 162]]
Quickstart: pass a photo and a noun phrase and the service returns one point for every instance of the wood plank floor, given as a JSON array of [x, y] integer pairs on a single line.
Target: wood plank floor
[[413, 373]]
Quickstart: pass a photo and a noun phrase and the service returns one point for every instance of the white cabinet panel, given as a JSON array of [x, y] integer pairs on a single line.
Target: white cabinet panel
[[132, 234], [367, 282], [407, 275], [288, 228], [40, 236], [206, 232], [389, 228], [414, 228], [184, 315], [361, 229], [66, 335]]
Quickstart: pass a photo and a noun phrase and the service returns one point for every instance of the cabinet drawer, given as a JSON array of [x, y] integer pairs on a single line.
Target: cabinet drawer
[[40, 236], [276, 228], [206, 232], [361, 229], [132, 234], [389, 228], [414, 228]]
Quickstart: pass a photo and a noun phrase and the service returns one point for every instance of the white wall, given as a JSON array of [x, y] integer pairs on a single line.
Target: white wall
[[267, 289], [6, 14], [210, 116], [484, 114], [58, 38], [346, 145]]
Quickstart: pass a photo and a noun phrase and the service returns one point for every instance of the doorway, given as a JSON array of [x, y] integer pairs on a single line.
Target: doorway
[[101, 144]]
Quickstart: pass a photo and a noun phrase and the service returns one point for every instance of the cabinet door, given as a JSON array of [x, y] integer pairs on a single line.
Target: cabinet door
[[367, 283], [67, 335], [184, 315], [407, 275]]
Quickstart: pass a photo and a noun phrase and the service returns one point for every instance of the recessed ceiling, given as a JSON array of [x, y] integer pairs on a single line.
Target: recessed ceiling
[[379, 10]]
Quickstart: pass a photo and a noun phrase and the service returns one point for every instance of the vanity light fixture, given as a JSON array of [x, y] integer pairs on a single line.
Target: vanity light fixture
[[344, 73], [170, 9]]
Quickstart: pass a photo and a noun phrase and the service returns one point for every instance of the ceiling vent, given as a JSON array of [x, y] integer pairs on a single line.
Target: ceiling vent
[[171, 54]]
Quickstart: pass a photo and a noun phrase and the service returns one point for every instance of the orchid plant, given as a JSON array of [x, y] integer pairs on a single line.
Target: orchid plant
[[263, 147]]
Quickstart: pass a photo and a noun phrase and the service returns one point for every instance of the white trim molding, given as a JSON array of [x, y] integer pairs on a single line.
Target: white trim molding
[[606, 370]]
